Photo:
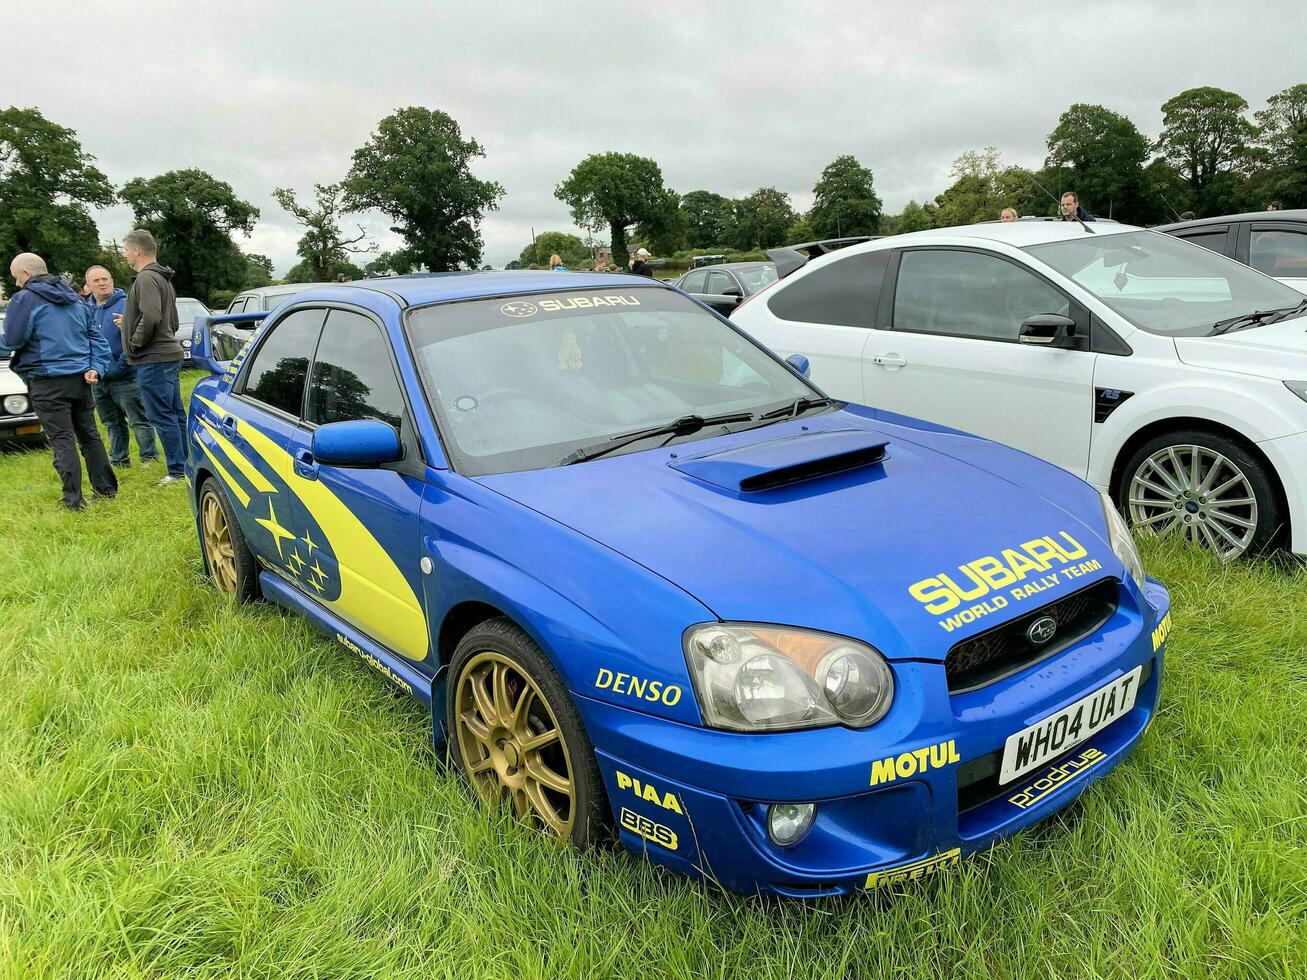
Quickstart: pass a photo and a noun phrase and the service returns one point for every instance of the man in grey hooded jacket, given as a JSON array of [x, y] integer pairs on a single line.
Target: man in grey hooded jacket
[[148, 325]]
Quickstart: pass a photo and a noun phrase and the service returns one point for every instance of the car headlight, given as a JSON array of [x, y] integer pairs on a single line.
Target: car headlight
[[1299, 388], [16, 404], [1123, 543], [186, 343], [753, 678]]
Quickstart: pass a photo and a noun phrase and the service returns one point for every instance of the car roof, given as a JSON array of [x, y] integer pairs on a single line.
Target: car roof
[[1017, 233], [437, 287], [1291, 214]]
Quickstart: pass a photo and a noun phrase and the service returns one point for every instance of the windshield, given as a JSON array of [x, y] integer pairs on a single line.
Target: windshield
[[189, 309], [755, 277], [1162, 284], [518, 383]]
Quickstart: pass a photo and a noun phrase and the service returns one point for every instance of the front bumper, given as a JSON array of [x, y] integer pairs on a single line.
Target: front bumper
[[20, 427], [696, 799]]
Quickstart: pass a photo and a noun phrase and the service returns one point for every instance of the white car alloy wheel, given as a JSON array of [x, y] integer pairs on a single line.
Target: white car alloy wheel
[[1198, 493]]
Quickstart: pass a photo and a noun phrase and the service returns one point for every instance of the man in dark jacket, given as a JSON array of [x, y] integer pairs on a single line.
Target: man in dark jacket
[[640, 264], [1071, 209], [117, 398], [60, 354], [148, 325]]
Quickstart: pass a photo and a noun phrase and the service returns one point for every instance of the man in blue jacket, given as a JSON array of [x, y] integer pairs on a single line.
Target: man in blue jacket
[[117, 398], [60, 354]]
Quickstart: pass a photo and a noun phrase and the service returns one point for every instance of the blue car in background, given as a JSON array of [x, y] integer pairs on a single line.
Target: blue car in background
[[651, 581]]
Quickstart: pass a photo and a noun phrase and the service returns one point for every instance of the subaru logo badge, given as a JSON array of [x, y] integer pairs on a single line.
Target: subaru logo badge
[[1041, 630]]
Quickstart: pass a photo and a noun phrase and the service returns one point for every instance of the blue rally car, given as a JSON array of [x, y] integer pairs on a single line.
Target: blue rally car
[[648, 578]]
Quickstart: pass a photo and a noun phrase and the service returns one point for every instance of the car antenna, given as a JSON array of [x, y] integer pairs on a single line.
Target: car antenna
[[1168, 204], [1058, 202]]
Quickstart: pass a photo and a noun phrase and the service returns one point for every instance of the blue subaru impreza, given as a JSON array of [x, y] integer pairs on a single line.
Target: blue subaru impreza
[[650, 580]]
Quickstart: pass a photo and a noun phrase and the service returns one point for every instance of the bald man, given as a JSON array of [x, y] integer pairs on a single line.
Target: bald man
[[59, 354]]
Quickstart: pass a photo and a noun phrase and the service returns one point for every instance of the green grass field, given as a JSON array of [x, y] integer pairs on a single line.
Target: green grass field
[[192, 788]]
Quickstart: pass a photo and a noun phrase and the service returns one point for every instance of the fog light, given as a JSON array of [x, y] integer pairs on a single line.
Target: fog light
[[787, 823]]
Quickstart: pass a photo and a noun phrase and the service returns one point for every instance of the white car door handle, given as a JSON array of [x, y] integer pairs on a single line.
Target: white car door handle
[[889, 360]]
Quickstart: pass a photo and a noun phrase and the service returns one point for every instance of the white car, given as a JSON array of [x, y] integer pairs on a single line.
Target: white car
[[18, 423], [1171, 376], [187, 310]]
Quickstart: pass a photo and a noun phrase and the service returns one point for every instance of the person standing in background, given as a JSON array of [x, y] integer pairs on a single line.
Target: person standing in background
[[117, 397], [148, 325], [640, 265], [60, 356]]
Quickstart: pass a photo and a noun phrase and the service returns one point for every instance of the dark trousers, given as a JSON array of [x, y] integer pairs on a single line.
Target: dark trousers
[[118, 403], [64, 407], [161, 393]]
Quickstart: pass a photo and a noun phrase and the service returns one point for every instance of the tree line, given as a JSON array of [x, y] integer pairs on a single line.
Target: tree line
[[1210, 157]]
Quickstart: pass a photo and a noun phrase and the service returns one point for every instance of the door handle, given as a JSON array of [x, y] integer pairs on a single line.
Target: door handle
[[889, 360], [228, 425], [304, 464]]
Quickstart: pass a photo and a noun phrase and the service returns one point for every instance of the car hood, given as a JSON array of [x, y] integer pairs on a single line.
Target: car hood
[[869, 551], [1277, 351], [10, 383]]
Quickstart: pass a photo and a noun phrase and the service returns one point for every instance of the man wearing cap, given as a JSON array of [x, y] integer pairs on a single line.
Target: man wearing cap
[[640, 266]]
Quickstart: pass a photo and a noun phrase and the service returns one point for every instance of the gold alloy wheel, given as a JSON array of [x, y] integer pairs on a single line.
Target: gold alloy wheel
[[217, 543], [511, 745]]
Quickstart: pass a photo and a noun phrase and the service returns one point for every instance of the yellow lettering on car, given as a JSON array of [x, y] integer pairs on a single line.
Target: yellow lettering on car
[[655, 692], [649, 793], [914, 870], [1162, 631], [642, 826], [1056, 777], [914, 762]]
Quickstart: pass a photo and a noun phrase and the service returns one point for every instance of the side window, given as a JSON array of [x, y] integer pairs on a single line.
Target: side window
[[968, 294], [237, 305], [1207, 238], [1279, 252], [353, 377], [694, 282], [280, 367], [845, 292], [719, 282]]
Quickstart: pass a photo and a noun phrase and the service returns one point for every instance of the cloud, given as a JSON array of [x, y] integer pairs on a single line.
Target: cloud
[[726, 97]]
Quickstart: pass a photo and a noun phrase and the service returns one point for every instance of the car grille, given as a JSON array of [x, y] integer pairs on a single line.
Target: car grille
[[1006, 649]]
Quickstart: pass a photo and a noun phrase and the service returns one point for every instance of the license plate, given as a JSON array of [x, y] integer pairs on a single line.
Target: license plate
[[27, 430], [1032, 747]]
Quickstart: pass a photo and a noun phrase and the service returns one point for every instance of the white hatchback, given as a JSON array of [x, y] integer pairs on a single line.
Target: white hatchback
[[1169, 375]]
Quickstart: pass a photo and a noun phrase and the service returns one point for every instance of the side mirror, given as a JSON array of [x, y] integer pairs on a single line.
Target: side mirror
[[1047, 329], [362, 442], [799, 363], [733, 291]]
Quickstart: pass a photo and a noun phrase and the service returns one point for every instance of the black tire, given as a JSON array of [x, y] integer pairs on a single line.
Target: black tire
[[245, 583], [1266, 512], [499, 640]]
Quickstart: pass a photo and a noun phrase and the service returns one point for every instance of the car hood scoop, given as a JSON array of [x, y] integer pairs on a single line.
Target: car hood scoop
[[786, 461]]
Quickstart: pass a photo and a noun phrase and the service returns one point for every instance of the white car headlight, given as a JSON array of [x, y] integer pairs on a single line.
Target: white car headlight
[[16, 404], [754, 678], [1123, 543]]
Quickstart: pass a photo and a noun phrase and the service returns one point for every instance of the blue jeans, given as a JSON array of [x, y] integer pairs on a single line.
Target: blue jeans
[[161, 394], [119, 404]]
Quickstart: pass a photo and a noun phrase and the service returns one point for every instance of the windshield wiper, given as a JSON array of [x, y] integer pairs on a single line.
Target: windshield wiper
[[791, 410], [684, 426], [1256, 317]]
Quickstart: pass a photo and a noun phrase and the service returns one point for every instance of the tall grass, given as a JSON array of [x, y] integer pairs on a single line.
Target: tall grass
[[193, 788]]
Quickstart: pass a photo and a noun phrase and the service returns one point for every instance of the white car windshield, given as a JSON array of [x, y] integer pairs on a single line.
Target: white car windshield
[[1164, 285], [522, 382]]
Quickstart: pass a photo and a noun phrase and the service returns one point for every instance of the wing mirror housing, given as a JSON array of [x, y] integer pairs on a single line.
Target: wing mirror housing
[[1047, 330], [361, 442], [800, 363], [202, 346], [733, 291]]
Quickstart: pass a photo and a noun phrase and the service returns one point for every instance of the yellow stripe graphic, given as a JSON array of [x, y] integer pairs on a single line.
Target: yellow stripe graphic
[[257, 479], [232, 485]]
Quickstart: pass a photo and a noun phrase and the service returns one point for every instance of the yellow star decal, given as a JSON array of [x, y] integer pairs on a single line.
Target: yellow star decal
[[308, 540], [274, 527], [317, 570], [295, 557], [316, 584]]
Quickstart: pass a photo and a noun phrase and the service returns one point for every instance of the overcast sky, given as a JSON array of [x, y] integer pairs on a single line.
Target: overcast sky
[[726, 96]]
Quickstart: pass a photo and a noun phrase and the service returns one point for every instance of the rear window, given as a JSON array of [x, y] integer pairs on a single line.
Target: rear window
[[845, 292]]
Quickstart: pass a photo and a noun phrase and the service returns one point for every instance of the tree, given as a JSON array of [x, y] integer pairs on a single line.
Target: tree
[[416, 170], [707, 217], [1282, 142], [390, 263], [1100, 154], [982, 188], [845, 202], [47, 185], [761, 220], [913, 217], [617, 190], [569, 248], [800, 232], [1206, 139], [258, 271], [323, 246], [192, 215], [304, 271]]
